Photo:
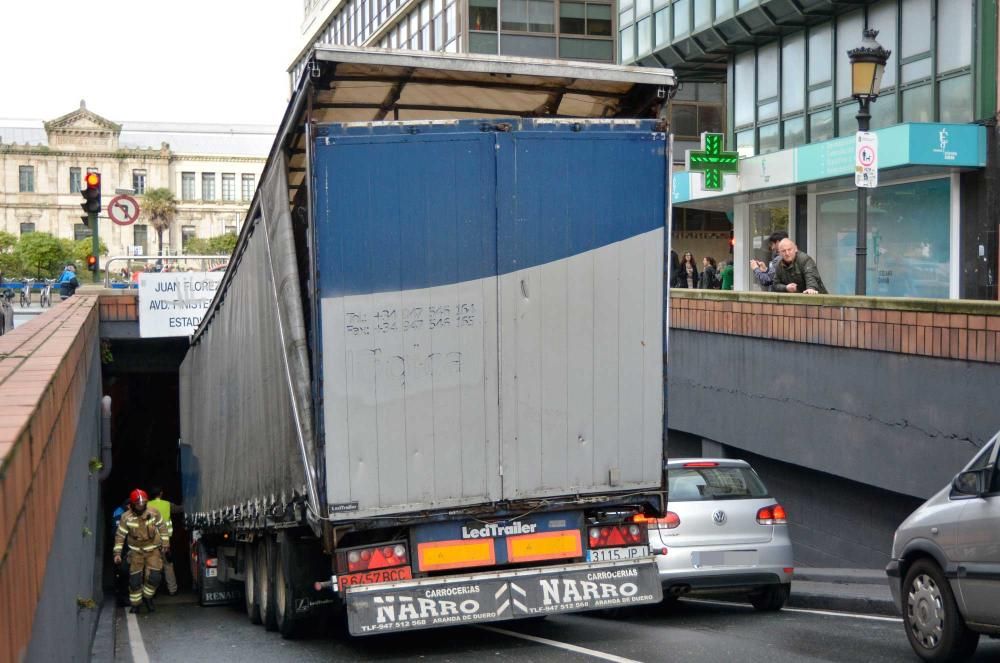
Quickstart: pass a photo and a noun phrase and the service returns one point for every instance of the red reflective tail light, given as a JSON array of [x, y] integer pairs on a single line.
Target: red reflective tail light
[[772, 515], [373, 557], [616, 536], [670, 520]]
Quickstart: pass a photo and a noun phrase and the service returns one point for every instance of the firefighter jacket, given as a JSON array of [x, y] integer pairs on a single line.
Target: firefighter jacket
[[145, 531]]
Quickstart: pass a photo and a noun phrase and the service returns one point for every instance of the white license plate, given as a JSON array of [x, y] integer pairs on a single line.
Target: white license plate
[[725, 558], [614, 554], [211, 573]]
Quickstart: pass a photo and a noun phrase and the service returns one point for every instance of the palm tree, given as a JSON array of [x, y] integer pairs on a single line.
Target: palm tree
[[160, 207]]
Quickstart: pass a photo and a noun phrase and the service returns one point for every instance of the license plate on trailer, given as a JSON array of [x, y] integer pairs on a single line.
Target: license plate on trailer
[[724, 558], [615, 554], [211, 573], [374, 577]]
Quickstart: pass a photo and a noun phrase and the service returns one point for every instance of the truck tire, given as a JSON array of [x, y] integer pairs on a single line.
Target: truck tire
[[289, 625], [250, 599], [265, 582]]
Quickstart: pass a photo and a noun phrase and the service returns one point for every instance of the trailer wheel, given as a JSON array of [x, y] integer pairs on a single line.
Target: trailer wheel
[[289, 625], [265, 582], [250, 598]]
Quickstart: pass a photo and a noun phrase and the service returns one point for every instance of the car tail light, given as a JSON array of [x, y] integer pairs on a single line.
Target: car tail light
[[374, 557], [212, 562], [616, 536], [670, 520], [772, 515], [701, 463]]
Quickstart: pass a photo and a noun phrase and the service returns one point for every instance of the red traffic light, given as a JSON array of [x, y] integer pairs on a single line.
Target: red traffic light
[[93, 180], [92, 263]]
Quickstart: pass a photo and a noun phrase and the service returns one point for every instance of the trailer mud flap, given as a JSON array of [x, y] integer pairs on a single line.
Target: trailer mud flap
[[497, 596]]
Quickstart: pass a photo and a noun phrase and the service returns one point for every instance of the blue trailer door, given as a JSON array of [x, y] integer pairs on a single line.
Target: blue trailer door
[[582, 211], [405, 229], [459, 368]]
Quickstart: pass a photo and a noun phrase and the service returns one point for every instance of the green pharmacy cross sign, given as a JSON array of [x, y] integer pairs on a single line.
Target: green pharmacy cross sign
[[712, 161]]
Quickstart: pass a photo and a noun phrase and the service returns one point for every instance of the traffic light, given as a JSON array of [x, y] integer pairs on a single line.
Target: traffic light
[[92, 263], [732, 241], [91, 192]]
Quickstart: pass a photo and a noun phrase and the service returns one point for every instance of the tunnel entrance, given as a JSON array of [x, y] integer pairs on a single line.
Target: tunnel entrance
[[142, 378]]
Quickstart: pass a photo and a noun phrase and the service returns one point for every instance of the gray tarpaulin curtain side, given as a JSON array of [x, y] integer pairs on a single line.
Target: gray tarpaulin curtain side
[[246, 410]]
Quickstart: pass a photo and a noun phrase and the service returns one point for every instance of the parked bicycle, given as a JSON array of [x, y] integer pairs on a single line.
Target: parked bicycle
[[26, 293], [46, 297]]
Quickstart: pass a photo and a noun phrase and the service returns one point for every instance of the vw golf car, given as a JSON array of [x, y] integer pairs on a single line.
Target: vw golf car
[[723, 534]]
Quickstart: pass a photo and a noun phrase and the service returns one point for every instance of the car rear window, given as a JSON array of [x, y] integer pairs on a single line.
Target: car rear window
[[692, 484]]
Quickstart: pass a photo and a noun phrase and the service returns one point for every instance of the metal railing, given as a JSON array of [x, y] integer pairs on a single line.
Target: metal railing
[[167, 263]]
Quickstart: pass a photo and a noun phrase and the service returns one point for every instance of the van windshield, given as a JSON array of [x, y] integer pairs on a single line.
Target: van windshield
[[695, 484]]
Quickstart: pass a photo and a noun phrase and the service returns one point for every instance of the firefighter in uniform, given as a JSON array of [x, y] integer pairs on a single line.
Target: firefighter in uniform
[[147, 535]]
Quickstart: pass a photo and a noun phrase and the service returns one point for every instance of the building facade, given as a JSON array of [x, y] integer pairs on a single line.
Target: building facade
[[211, 169], [568, 29], [933, 219]]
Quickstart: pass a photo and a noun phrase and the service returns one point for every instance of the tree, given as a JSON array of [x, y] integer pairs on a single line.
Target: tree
[[159, 207], [41, 253], [81, 248], [8, 259], [211, 246]]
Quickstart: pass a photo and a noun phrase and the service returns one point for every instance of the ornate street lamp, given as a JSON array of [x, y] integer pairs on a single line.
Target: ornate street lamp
[[867, 65]]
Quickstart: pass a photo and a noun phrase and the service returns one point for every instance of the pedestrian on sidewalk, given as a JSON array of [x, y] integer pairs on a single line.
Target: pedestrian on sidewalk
[[687, 275], [764, 272], [166, 509], [727, 274], [147, 539], [709, 274], [796, 271]]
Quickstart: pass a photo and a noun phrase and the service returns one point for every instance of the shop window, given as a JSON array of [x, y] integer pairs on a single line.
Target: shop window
[[766, 218], [917, 104], [793, 74], [483, 15], [908, 240], [955, 99]]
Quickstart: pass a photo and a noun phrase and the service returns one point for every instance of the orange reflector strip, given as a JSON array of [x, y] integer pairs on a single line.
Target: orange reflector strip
[[438, 555], [545, 545]]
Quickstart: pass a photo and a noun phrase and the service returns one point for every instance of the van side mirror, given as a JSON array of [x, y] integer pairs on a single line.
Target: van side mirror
[[970, 482]]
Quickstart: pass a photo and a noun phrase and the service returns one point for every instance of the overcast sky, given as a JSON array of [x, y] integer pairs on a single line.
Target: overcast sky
[[154, 60]]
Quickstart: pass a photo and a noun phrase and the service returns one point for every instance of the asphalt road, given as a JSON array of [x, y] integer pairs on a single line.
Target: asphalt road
[[691, 632]]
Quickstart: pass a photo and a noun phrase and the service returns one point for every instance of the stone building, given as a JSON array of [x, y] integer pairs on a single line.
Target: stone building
[[212, 170]]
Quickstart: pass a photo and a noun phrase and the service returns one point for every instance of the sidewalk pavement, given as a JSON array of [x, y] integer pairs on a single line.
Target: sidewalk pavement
[[844, 590]]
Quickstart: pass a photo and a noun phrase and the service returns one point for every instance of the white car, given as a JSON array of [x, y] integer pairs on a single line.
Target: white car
[[945, 567], [723, 534]]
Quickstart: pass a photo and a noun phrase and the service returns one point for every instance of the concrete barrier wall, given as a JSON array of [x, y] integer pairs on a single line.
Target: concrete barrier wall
[[49, 431], [897, 394]]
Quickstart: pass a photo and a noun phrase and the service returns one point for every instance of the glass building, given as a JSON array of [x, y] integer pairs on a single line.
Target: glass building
[[570, 29], [783, 65]]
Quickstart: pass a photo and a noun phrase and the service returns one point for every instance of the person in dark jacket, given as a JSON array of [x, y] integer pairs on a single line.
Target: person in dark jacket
[[796, 272], [709, 274], [675, 265], [68, 282], [687, 274], [764, 272]]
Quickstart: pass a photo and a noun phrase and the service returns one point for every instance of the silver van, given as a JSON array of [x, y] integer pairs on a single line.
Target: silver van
[[945, 568]]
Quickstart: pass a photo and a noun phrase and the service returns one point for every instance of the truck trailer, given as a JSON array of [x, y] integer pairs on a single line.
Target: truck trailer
[[431, 387]]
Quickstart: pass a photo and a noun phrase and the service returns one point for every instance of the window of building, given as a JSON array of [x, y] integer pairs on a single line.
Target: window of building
[[27, 228], [229, 186], [75, 179], [585, 19], [26, 179], [527, 15], [187, 234], [908, 241], [793, 74], [249, 185], [230, 230], [744, 84], [139, 181], [81, 231], [482, 14], [849, 31], [187, 186], [208, 186], [140, 238], [682, 18]]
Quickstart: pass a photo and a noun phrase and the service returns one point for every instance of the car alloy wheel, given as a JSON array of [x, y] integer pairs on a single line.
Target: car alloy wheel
[[925, 611]]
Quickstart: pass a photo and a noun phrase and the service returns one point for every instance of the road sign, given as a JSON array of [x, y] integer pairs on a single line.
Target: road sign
[[123, 210], [866, 160]]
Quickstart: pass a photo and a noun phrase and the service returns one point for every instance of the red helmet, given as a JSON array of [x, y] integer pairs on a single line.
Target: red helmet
[[138, 496]]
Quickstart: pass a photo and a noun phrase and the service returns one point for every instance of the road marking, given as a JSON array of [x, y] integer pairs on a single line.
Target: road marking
[[561, 645], [809, 611], [135, 642]]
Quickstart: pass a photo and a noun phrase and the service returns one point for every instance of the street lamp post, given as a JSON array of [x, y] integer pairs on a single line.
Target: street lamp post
[[867, 65]]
